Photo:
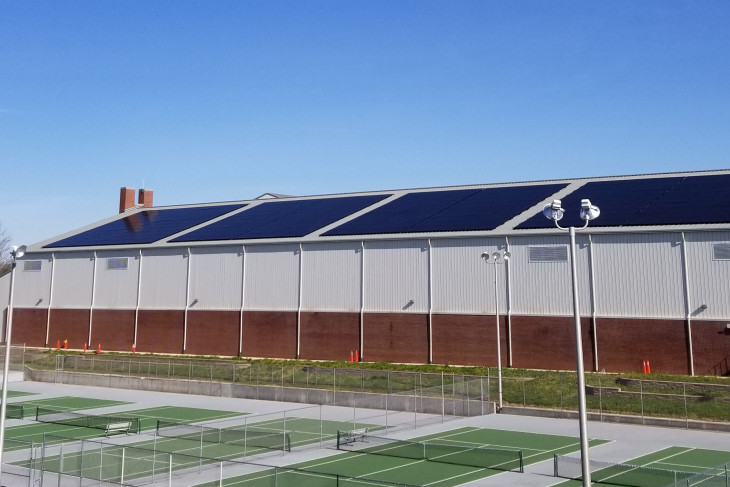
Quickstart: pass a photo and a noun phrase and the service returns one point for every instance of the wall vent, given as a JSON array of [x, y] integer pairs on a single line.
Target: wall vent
[[32, 265], [117, 263], [721, 251], [549, 254]]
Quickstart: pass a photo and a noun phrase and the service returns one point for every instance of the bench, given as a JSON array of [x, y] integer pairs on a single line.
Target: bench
[[119, 427], [352, 436]]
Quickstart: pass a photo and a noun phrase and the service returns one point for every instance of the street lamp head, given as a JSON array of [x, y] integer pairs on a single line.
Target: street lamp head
[[506, 256], [588, 211], [553, 211], [485, 256], [17, 252]]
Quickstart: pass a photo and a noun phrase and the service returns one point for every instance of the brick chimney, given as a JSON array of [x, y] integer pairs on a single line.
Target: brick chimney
[[126, 199], [145, 198]]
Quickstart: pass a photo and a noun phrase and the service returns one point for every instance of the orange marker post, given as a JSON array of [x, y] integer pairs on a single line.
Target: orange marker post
[[643, 363], [648, 367], [58, 344], [133, 350], [98, 349], [65, 344], [84, 347], [357, 356], [351, 359]]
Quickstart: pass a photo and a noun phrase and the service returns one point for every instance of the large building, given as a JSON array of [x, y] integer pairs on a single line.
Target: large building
[[398, 276]]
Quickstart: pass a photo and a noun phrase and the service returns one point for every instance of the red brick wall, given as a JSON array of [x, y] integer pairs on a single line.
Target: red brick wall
[[710, 346], [329, 336], [468, 340], [213, 333], [269, 334], [624, 343], [395, 337], [69, 324], [160, 331], [549, 343], [29, 326], [113, 329]]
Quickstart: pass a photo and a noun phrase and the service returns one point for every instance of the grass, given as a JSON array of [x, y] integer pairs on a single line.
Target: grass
[[704, 398]]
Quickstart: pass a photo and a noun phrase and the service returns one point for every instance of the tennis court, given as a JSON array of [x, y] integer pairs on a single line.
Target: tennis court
[[667, 467], [462, 455]]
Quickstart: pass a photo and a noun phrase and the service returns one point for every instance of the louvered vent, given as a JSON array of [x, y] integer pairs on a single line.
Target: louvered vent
[[549, 254], [117, 263], [721, 251], [32, 265]]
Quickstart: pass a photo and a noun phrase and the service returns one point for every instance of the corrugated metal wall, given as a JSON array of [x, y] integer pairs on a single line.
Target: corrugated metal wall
[[216, 278], [462, 282], [545, 288], [164, 278], [709, 279], [331, 276], [32, 287], [636, 276], [639, 275], [116, 288], [72, 280], [271, 277], [396, 276]]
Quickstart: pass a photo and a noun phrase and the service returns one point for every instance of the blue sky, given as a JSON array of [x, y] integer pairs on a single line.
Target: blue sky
[[225, 100]]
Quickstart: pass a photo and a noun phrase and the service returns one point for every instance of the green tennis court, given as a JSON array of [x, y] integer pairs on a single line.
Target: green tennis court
[[12, 393], [69, 403], [34, 432], [360, 469], [658, 469]]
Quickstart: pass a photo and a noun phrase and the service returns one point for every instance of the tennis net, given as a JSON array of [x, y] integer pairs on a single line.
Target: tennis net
[[622, 473], [245, 436], [14, 411], [361, 441], [111, 424]]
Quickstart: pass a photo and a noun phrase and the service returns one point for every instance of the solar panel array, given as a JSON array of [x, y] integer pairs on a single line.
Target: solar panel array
[[661, 200], [653, 201], [448, 210], [281, 219], [145, 227]]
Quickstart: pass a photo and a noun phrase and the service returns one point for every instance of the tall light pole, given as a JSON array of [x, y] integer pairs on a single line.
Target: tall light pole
[[494, 259], [588, 212], [15, 253]]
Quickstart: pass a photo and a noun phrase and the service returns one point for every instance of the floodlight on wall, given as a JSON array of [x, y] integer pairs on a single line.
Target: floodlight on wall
[[17, 252], [554, 211], [588, 211]]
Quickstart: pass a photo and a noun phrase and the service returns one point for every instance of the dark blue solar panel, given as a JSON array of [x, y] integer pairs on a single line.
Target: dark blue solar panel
[[145, 226], [448, 210], [280, 219], [655, 201]]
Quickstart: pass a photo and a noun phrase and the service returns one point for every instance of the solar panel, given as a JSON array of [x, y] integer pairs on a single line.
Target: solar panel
[[281, 219], [448, 210], [655, 201], [144, 227]]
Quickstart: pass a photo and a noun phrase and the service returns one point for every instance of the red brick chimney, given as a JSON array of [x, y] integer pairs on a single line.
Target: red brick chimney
[[145, 198], [126, 199]]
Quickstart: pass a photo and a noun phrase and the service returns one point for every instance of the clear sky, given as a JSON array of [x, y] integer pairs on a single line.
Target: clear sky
[[221, 100]]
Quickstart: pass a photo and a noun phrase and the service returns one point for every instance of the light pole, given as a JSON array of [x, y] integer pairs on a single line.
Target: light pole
[[494, 259], [588, 212], [15, 253]]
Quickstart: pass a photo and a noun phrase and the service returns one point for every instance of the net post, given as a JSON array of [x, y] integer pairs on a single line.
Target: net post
[[338, 439], [124, 451], [522, 463], [60, 464], [555, 465]]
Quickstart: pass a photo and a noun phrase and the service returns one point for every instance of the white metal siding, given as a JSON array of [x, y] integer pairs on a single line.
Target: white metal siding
[[462, 282], [546, 288], [639, 275], [116, 288], [709, 280], [331, 276], [396, 276], [272, 277], [72, 280], [215, 278], [164, 278], [32, 288]]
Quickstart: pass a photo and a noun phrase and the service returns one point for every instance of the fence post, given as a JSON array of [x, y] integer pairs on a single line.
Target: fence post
[[169, 478], [641, 396], [686, 412], [60, 465], [443, 399], [524, 393], [124, 450]]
